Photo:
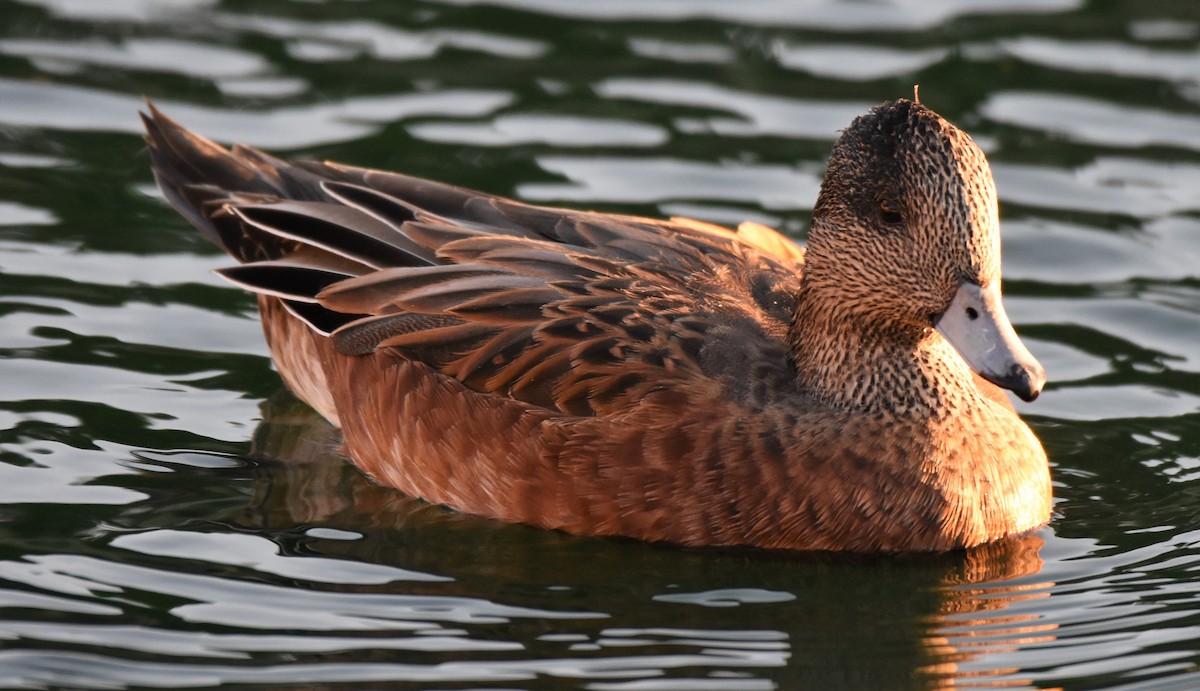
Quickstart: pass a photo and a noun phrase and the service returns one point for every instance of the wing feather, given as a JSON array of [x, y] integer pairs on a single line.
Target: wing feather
[[342, 230], [573, 311], [376, 291], [364, 335]]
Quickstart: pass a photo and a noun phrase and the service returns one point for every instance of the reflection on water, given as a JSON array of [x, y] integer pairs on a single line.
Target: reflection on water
[[151, 535]]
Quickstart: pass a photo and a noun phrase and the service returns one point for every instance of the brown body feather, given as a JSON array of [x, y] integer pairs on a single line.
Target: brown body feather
[[610, 375]]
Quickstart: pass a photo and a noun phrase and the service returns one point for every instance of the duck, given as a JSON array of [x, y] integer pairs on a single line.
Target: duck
[[665, 380]]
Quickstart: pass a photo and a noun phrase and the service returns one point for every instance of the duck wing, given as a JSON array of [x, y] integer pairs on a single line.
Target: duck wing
[[577, 312]]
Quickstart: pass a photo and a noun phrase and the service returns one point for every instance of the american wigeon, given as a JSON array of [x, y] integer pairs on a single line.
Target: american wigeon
[[666, 380]]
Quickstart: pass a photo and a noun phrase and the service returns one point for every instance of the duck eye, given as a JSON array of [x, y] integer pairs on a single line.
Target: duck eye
[[889, 212]]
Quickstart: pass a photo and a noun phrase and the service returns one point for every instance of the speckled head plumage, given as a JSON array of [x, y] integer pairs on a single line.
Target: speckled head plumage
[[905, 237], [906, 213]]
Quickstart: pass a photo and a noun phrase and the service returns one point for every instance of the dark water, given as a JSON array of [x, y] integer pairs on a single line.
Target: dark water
[[154, 534]]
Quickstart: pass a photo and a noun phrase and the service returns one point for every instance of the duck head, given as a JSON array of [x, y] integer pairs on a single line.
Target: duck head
[[906, 239]]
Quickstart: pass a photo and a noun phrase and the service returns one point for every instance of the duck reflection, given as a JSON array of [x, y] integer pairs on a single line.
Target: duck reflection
[[835, 621]]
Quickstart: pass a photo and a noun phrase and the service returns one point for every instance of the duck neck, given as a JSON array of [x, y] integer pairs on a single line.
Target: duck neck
[[849, 360]]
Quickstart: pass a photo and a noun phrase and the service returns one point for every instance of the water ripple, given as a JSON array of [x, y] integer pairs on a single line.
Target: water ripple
[[1092, 121], [17, 214], [855, 62], [253, 605], [759, 114], [636, 180], [79, 670], [260, 554], [688, 53], [1106, 186], [235, 646], [825, 14], [166, 55], [346, 40], [121, 10], [1108, 57], [76, 108], [558, 131]]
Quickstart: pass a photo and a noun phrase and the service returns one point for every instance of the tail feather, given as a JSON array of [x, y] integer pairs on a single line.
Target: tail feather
[[291, 237], [193, 173], [291, 278], [338, 229], [201, 178]]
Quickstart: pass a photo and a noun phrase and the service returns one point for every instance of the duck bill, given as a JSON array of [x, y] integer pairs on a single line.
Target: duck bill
[[976, 325]]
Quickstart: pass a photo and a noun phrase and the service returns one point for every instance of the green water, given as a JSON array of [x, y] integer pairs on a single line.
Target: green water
[[170, 518]]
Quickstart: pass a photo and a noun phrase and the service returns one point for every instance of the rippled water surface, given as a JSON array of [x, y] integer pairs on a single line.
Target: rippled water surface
[[170, 518]]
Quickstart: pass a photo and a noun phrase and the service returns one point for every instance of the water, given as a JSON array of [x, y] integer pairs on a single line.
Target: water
[[153, 533]]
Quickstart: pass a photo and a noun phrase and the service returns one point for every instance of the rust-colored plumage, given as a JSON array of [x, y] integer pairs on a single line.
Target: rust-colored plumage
[[662, 380]]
